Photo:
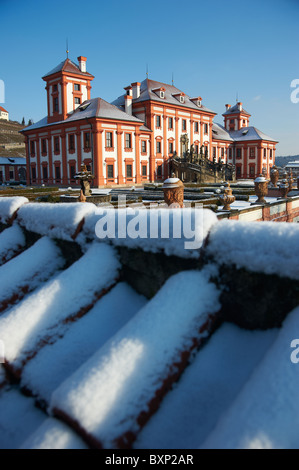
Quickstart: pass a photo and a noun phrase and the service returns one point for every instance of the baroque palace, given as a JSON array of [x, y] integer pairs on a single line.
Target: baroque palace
[[134, 138]]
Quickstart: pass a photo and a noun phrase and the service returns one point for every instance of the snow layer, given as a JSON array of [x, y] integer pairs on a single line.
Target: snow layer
[[261, 247], [207, 388], [44, 313], [9, 205], [53, 434], [108, 393], [50, 367], [266, 413], [54, 220], [174, 231], [11, 240], [18, 418], [30, 268]]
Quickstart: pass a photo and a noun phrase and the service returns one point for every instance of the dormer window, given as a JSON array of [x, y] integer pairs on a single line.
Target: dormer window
[[83, 106], [160, 92], [180, 97], [76, 87], [197, 101], [54, 88]]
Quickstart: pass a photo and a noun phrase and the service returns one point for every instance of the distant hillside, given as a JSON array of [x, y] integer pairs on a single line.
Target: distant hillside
[[282, 161], [9, 135]]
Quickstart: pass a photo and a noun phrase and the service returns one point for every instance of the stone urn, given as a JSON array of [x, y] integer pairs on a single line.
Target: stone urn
[[261, 189], [274, 175], [227, 198], [284, 188], [173, 189]]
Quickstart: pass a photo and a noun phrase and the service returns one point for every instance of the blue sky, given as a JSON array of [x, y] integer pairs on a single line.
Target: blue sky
[[214, 49]]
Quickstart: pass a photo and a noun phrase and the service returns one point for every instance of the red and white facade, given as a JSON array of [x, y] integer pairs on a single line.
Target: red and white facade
[[133, 139], [4, 114], [244, 146]]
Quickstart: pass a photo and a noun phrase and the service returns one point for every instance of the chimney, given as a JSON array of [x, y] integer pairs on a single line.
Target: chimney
[[128, 104], [227, 106], [239, 105], [128, 90], [136, 90], [82, 63]]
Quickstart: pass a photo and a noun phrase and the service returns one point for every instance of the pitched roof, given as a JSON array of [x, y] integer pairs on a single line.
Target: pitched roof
[[95, 108], [67, 66], [235, 110], [250, 133], [147, 92], [220, 133], [243, 134], [2, 109], [98, 357]]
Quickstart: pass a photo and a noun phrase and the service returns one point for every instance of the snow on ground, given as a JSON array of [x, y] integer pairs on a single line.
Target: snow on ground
[[55, 220], [266, 412], [243, 183], [174, 231], [207, 388], [18, 418], [261, 247], [30, 268], [54, 363], [100, 191], [9, 205], [53, 434], [108, 393], [241, 205], [11, 241], [44, 312], [237, 205], [269, 200]]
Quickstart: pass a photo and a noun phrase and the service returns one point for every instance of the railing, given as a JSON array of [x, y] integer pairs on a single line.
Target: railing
[[224, 170]]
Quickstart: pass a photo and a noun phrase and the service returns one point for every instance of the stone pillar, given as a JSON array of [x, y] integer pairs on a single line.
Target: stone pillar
[[120, 177], [98, 157], [137, 153], [64, 159]]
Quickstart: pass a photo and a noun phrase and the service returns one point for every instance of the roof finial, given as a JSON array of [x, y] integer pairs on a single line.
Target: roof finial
[[146, 70], [67, 48], [237, 99], [172, 80]]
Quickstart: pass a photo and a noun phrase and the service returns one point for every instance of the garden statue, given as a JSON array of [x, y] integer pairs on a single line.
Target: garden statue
[[85, 177]]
